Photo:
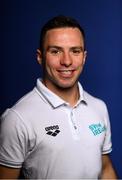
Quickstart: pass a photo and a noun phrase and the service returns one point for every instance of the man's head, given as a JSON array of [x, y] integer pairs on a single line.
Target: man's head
[[62, 52], [59, 22]]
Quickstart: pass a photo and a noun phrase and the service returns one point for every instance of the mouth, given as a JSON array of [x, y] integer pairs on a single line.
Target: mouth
[[66, 73]]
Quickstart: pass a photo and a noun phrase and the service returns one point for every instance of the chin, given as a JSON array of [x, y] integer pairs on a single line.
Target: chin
[[66, 86]]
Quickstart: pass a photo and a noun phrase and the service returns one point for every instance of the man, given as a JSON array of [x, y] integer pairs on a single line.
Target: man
[[57, 131]]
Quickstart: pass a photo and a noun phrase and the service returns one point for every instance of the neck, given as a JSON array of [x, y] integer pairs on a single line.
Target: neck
[[70, 95]]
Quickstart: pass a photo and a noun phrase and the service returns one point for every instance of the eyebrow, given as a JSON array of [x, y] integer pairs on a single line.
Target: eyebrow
[[55, 47], [60, 48], [77, 47]]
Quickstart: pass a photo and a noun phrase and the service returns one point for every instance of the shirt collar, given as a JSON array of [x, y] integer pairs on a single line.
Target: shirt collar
[[52, 98]]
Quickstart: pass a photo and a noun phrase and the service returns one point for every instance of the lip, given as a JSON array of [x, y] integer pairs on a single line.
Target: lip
[[66, 73]]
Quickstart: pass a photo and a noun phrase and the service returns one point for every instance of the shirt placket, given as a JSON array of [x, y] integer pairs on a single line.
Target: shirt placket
[[73, 123], [72, 117]]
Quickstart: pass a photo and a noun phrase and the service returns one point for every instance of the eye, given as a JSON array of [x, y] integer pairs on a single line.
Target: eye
[[54, 51], [76, 51]]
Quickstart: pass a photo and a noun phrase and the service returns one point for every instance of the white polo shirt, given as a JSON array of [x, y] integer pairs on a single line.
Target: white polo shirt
[[49, 139]]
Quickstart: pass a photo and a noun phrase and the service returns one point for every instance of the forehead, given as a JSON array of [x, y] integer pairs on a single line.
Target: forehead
[[63, 35]]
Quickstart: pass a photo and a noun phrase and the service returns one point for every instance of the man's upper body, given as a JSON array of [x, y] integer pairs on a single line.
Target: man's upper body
[[57, 131], [47, 138]]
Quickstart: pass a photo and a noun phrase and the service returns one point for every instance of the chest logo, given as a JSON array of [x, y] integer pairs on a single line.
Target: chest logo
[[97, 128], [52, 130]]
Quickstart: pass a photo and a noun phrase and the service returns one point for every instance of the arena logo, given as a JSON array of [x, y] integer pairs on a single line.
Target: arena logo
[[52, 130]]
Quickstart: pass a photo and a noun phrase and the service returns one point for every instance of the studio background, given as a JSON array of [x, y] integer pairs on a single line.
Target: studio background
[[21, 21]]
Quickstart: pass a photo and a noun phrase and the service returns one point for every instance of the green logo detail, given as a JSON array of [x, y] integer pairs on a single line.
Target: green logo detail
[[97, 128]]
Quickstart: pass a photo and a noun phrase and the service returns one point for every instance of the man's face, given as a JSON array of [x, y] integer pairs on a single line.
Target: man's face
[[63, 57]]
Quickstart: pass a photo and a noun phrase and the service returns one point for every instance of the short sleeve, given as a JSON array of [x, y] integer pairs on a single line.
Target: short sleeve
[[13, 140], [107, 146]]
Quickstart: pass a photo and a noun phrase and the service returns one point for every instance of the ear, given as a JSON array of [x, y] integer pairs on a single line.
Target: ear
[[85, 55], [39, 56]]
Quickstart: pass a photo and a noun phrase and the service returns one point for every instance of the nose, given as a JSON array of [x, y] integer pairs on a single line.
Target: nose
[[66, 59]]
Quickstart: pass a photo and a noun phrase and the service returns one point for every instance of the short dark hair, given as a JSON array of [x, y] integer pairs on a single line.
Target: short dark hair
[[59, 22]]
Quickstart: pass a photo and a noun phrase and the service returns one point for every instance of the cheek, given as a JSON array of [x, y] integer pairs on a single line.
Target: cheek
[[79, 62], [52, 62]]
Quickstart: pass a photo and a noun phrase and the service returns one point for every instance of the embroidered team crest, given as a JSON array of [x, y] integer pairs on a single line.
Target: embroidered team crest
[[97, 128]]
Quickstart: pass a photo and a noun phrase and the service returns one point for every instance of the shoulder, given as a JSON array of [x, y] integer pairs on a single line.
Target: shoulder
[[27, 100], [23, 107], [21, 116], [95, 102]]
